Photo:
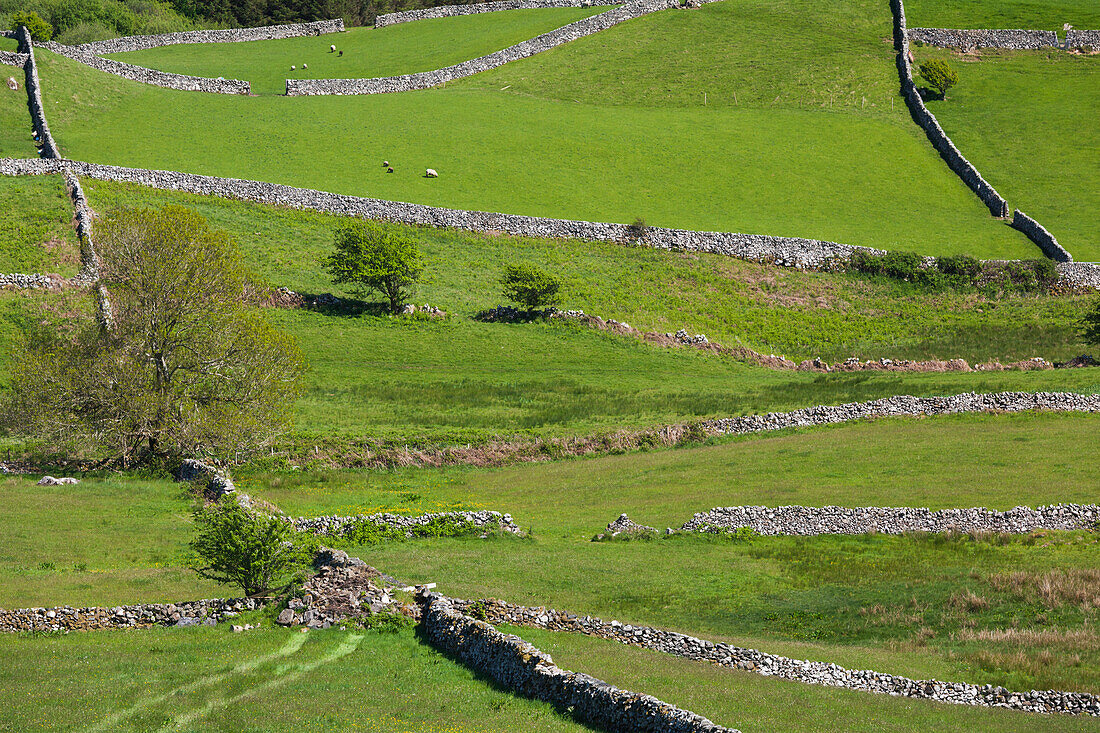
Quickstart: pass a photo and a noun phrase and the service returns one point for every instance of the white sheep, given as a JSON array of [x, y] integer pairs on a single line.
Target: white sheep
[[293, 68], [332, 48], [430, 173], [305, 66]]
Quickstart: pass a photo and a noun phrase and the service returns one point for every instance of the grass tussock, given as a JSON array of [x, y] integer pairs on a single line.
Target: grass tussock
[[1081, 639], [968, 601], [1054, 588]]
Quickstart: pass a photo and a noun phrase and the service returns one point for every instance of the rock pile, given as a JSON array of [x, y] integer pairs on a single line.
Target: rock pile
[[51, 481], [337, 526], [817, 673], [343, 588], [67, 618], [623, 525], [515, 664], [803, 520], [217, 484]]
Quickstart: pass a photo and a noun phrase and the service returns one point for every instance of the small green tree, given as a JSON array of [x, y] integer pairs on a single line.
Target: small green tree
[[373, 257], [242, 548], [530, 286], [939, 75], [1090, 325], [39, 29]]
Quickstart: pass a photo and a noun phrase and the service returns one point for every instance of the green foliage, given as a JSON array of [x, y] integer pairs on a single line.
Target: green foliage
[[375, 257], [940, 75], [1090, 325], [369, 533], [39, 29], [530, 286], [243, 548], [79, 21], [963, 266], [387, 622], [478, 610], [184, 369]]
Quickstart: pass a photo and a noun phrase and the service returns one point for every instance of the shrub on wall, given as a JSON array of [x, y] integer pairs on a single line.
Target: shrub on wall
[[375, 258], [1090, 325], [939, 75], [39, 29], [530, 286]]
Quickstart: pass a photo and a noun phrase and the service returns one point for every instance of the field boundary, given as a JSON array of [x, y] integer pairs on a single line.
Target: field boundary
[[1015, 39], [231, 35], [524, 49], [516, 664], [771, 665]]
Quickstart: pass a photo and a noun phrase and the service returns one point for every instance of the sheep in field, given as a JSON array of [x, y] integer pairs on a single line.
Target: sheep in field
[[332, 48], [430, 173]]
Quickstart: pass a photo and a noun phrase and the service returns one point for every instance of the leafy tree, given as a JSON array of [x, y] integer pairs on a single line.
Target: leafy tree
[[244, 548], [530, 286], [184, 369], [373, 257], [39, 29], [939, 75], [1090, 325]]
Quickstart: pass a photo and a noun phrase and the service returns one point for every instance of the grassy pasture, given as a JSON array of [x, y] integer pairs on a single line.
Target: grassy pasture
[[1040, 14], [264, 680], [15, 121], [368, 52], [773, 310], [755, 704], [36, 226], [1019, 116], [786, 171]]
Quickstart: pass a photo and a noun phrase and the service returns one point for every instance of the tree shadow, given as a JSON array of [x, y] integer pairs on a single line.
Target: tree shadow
[[927, 94]]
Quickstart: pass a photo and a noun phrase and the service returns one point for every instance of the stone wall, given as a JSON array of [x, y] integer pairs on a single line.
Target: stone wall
[[21, 281], [67, 618], [804, 520], [337, 526], [1083, 39], [427, 79], [448, 11], [232, 35], [783, 251], [513, 663], [906, 406], [14, 59], [1024, 40], [34, 97], [141, 74], [931, 126], [1037, 233], [771, 665]]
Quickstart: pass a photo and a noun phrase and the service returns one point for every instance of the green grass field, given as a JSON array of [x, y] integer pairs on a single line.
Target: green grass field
[[15, 120], [266, 680], [1017, 116], [368, 52], [779, 170], [1041, 14], [36, 226]]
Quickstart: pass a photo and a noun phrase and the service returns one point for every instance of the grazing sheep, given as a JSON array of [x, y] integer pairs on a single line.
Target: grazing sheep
[[341, 53], [292, 68], [389, 170], [305, 66], [430, 173], [332, 48], [385, 164]]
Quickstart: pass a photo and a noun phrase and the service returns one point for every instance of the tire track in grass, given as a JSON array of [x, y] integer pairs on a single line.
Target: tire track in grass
[[112, 721], [284, 674]]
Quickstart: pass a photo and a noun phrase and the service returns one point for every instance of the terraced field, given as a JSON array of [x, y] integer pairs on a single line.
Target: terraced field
[[778, 117]]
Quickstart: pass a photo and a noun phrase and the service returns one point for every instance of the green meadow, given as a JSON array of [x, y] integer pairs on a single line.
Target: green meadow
[[1040, 14], [405, 48]]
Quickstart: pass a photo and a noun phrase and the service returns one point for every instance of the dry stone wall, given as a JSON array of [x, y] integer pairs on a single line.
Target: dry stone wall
[[771, 665], [427, 79], [48, 148], [513, 663], [14, 59], [783, 251], [1083, 39], [144, 75], [449, 11], [232, 35], [1023, 40], [906, 406], [804, 520], [931, 126], [1037, 233], [67, 618], [337, 526]]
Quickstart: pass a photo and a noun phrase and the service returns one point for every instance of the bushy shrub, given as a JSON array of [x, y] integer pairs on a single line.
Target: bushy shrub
[[939, 75], [530, 286], [963, 266], [636, 231], [898, 265], [374, 257], [39, 29], [245, 549]]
